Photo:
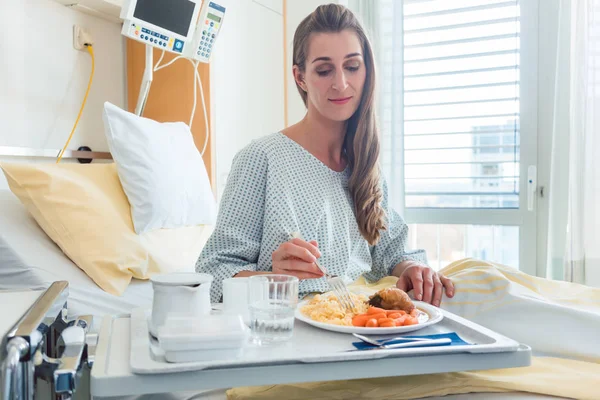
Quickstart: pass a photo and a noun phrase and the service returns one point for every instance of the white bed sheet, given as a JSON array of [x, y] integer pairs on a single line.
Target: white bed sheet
[[47, 263]]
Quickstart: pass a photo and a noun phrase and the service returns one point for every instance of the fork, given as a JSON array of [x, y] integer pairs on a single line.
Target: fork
[[336, 283], [379, 342], [414, 343]]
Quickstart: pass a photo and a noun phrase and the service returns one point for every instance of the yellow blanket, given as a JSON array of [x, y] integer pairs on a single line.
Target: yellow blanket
[[547, 315]]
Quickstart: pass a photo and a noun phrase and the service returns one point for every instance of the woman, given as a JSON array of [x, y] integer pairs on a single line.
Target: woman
[[320, 178]]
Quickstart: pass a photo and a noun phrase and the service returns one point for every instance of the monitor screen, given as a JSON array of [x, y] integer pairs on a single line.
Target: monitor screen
[[172, 15], [213, 17]]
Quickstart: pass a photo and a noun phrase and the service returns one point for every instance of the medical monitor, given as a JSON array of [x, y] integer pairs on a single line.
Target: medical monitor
[[210, 21], [165, 24]]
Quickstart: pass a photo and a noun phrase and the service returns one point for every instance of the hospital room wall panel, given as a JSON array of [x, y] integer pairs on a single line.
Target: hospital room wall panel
[[243, 84], [44, 78], [171, 95], [247, 73]]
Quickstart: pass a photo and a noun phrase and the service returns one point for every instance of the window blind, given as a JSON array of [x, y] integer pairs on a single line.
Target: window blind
[[458, 130]]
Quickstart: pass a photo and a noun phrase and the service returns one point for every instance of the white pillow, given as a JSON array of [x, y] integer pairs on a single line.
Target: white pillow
[[161, 171]]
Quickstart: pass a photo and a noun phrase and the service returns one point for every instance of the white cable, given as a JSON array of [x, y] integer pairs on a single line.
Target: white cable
[[195, 65], [199, 81], [207, 131], [169, 63], [159, 60]]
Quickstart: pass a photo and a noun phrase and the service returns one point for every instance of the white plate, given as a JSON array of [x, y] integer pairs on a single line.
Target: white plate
[[428, 315]]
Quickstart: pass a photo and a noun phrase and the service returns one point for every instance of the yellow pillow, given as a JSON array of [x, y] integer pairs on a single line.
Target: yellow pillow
[[82, 207]]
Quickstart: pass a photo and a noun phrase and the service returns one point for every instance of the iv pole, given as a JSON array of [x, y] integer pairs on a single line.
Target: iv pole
[[146, 81]]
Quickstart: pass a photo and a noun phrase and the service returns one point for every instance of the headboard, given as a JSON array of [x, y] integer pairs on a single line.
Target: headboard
[[83, 154]]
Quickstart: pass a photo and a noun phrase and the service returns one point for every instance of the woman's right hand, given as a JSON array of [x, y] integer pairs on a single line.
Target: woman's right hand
[[297, 257]]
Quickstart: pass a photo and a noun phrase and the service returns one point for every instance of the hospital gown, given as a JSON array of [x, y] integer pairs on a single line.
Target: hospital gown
[[277, 187]]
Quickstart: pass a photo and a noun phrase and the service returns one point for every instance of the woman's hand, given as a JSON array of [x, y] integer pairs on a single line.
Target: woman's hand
[[297, 257], [426, 284]]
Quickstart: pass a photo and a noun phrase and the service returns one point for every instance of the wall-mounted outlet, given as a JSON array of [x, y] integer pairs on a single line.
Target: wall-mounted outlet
[[81, 37]]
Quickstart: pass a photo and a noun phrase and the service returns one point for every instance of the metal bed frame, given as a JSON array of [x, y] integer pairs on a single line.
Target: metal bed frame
[[43, 346]]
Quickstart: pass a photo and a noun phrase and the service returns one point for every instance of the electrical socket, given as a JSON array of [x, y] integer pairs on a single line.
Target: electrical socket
[[81, 37]]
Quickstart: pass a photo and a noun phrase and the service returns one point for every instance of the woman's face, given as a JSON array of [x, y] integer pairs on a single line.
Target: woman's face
[[335, 74]]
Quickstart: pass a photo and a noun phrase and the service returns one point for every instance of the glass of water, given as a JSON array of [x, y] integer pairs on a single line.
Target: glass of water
[[272, 301]]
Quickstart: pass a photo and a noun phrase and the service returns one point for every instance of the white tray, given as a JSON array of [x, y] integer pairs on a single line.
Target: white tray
[[113, 375], [311, 345]]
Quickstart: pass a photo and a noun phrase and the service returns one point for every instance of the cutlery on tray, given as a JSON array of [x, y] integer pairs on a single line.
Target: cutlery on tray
[[378, 342], [405, 342]]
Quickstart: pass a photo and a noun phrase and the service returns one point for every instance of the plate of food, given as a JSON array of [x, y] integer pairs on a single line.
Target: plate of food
[[385, 312]]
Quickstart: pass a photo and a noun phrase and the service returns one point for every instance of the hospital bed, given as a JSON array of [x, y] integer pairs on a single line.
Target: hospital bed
[[36, 262], [30, 260]]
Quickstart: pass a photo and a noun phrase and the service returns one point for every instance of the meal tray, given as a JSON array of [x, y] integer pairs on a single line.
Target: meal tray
[[312, 345], [125, 363]]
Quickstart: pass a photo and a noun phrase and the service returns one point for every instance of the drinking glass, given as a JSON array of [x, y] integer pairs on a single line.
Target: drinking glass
[[272, 301]]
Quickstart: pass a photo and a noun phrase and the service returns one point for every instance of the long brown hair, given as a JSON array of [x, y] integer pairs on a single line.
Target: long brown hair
[[361, 143]]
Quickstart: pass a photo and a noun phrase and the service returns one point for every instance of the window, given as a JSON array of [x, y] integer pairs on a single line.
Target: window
[[445, 243], [458, 117]]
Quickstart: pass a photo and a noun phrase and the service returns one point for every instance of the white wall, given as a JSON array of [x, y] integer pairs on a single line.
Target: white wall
[[296, 12], [43, 78], [247, 79]]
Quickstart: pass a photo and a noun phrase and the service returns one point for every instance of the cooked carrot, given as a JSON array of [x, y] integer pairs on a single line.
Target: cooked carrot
[[394, 315], [411, 321], [414, 312], [384, 320], [378, 316], [360, 320], [387, 324], [400, 321], [372, 323], [375, 310], [401, 312]]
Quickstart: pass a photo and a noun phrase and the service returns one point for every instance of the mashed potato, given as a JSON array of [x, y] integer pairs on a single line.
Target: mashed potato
[[327, 308]]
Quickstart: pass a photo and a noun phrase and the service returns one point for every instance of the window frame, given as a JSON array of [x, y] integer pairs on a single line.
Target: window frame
[[522, 217]]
